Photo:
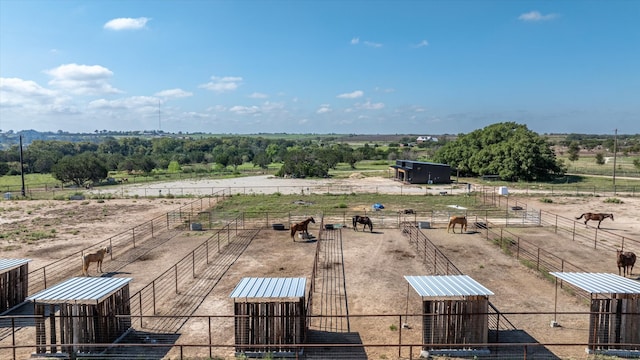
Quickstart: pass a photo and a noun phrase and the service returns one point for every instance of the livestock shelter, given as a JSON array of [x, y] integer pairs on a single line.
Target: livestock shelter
[[14, 282], [417, 172], [615, 310], [270, 315], [88, 310], [455, 310]]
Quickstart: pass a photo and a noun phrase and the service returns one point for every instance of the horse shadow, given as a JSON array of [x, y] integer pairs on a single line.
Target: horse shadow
[[114, 273]]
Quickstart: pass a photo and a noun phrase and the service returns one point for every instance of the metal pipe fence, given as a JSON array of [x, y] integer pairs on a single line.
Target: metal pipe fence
[[213, 336], [121, 244]]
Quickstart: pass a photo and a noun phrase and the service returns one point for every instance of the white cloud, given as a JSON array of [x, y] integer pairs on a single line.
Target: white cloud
[[355, 41], [133, 103], [422, 43], [28, 97], [372, 44], [244, 110], [369, 106], [82, 79], [173, 94], [222, 84], [26, 88], [353, 95], [257, 95], [324, 108], [534, 16], [126, 23]]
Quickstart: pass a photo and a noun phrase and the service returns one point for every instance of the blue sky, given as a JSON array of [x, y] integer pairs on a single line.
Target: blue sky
[[364, 67]]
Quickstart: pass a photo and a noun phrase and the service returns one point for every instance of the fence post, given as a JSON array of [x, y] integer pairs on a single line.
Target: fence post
[[210, 349], [595, 240], [153, 297], [399, 335], [133, 235]]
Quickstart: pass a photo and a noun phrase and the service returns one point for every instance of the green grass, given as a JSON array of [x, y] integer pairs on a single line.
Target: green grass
[[341, 202], [30, 180]]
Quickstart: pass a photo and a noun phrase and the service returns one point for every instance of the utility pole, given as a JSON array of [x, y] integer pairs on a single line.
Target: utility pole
[[615, 152], [24, 193]]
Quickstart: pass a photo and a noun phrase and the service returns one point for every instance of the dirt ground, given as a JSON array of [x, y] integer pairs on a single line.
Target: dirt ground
[[374, 263]]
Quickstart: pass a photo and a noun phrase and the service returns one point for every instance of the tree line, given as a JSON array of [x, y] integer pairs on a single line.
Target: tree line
[[509, 150]]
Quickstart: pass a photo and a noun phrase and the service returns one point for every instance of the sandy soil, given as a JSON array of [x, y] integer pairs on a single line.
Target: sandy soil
[[374, 263]]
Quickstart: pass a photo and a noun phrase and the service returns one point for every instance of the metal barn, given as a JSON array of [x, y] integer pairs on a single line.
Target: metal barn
[[455, 309], [417, 172], [89, 311], [14, 282], [270, 315], [615, 310]]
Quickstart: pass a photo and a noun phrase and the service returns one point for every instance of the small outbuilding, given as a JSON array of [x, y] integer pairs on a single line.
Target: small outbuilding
[[615, 311], [89, 311], [270, 315], [455, 310], [417, 172], [14, 282]]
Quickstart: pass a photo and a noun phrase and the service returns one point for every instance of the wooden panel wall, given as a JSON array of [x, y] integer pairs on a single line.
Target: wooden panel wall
[[456, 321], [14, 285], [269, 323], [615, 320]]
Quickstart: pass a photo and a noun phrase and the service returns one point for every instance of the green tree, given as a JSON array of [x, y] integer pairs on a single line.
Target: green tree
[[508, 150], [261, 160], [173, 167], [599, 158], [574, 149], [80, 169]]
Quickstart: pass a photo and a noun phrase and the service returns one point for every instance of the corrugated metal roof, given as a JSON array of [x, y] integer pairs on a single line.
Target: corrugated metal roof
[[10, 264], [252, 287], [600, 283], [80, 290], [447, 285]]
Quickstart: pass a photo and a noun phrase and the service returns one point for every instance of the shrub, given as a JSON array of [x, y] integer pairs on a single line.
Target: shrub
[[613, 201]]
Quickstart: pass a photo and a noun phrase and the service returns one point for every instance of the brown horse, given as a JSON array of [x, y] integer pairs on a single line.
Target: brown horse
[[462, 220], [625, 260], [301, 226], [95, 257], [362, 220], [595, 217]]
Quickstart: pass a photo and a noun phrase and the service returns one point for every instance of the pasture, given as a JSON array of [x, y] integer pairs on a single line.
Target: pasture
[[373, 262]]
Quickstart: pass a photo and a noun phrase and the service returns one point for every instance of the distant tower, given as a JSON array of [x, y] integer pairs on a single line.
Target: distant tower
[[159, 119]]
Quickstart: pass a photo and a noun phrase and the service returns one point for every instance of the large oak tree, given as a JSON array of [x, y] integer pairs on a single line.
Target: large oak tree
[[509, 150]]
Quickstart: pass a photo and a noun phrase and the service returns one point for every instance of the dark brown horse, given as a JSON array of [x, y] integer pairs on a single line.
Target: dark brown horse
[[301, 226], [362, 220], [595, 217], [625, 259]]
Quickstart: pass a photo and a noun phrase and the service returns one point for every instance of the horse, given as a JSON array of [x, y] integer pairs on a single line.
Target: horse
[[625, 260], [301, 226], [594, 216], [462, 220], [95, 257], [362, 220]]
